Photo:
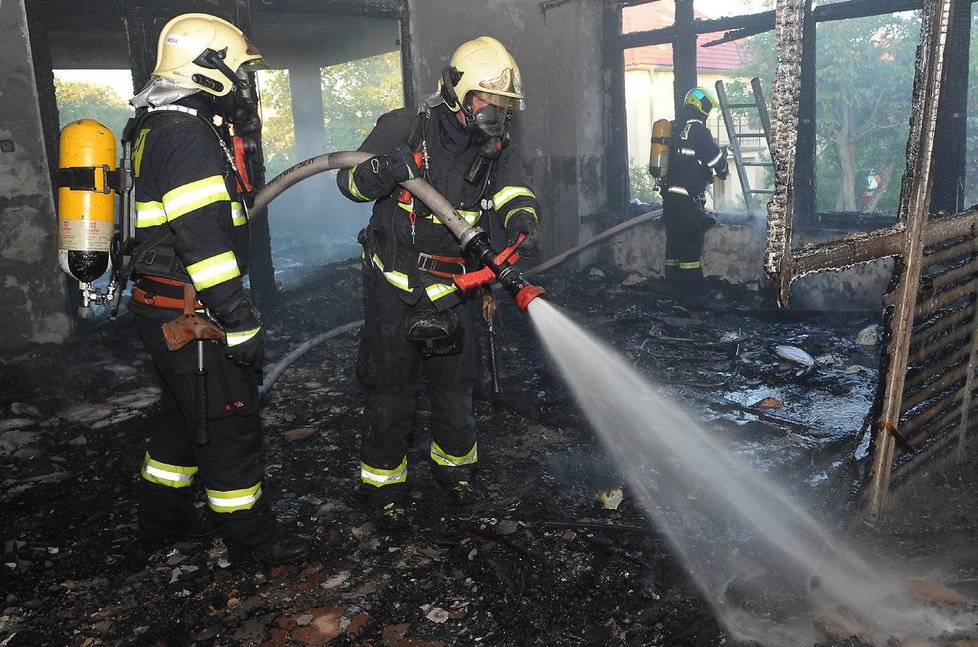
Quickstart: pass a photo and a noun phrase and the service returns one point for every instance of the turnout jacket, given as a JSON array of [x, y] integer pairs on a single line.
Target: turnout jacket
[[185, 182], [388, 243], [693, 157]]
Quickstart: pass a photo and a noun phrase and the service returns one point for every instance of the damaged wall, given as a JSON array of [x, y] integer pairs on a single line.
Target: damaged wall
[[562, 130], [735, 253], [32, 289]]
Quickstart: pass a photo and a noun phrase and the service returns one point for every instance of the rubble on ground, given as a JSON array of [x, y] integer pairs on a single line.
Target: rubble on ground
[[556, 553]]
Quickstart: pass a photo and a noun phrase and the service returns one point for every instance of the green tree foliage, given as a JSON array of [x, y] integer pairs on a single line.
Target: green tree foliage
[[278, 131], [863, 110], [864, 86], [355, 94], [83, 100], [641, 185]]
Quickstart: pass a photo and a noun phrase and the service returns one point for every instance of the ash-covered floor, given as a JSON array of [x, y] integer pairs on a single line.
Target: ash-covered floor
[[539, 562]]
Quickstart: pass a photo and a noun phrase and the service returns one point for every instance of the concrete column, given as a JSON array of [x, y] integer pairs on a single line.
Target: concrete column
[[307, 110], [32, 287]]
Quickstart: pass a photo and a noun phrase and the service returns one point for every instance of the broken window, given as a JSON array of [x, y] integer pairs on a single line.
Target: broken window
[[864, 83]]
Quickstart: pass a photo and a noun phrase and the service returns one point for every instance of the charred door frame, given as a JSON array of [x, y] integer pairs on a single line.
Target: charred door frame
[[926, 400], [927, 390]]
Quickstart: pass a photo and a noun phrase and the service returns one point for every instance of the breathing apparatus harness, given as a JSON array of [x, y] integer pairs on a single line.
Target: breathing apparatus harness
[[435, 332], [126, 255]]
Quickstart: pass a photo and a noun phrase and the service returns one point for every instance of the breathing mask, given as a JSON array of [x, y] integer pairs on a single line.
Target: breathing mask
[[489, 129], [241, 106]]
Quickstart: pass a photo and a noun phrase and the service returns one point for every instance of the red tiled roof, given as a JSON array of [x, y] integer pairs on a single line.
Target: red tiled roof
[[655, 15]]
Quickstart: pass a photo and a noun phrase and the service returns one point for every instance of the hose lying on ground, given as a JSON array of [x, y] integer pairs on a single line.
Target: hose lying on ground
[[298, 352], [440, 206]]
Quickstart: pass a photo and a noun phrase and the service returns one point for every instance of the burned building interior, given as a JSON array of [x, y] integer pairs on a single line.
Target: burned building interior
[[781, 459]]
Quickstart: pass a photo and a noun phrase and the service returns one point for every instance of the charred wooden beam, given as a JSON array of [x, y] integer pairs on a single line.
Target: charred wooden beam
[[761, 22], [952, 132], [784, 137], [738, 27], [684, 53], [372, 8], [914, 204], [863, 9]]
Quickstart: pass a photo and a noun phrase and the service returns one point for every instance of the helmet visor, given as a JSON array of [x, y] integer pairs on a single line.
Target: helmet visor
[[507, 104]]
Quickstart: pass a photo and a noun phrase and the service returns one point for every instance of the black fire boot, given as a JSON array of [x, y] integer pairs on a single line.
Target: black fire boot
[[197, 526], [461, 493], [393, 517], [279, 550], [458, 484]]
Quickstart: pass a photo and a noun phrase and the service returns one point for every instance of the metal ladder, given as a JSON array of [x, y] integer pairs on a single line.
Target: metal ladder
[[735, 137]]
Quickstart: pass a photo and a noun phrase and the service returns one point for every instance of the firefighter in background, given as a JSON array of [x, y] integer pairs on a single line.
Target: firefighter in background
[[192, 229], [694, 157], [415, 319]]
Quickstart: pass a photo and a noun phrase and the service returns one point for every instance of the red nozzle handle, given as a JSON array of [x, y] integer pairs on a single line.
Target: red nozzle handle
[[485, 276]]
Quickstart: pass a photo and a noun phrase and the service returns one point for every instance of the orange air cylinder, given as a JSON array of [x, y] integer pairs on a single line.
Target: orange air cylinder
[[86, 215], [659, 153]]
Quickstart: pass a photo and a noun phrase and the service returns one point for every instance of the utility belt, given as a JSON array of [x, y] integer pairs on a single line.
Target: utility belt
[[439, 265], [445, 267], [699, 198], [160, 292]]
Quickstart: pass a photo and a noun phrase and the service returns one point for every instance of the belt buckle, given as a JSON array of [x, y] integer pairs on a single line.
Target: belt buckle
[[429, 264], [423, 260]]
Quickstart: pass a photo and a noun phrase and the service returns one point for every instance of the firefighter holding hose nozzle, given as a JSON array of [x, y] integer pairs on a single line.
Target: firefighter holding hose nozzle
[[190, 239], [417, 318]]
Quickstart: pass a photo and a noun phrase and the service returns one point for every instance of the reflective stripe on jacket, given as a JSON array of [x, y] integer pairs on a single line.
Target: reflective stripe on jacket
[[389, 245]]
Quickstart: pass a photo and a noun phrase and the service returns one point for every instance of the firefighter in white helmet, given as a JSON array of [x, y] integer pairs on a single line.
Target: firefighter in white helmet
[[415, 319], [191, 235]]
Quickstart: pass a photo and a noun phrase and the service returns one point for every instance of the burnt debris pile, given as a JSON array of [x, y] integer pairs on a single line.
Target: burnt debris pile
[[558, 550]]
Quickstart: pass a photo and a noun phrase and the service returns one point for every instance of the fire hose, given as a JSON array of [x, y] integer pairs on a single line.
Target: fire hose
[[474, 241], [500, 264]]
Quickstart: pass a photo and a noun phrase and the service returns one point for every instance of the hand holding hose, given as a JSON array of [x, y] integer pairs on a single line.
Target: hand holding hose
[[524, 222]]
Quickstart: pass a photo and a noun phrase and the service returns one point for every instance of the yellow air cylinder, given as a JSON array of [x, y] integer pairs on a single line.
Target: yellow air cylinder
[[659, 153], [86, 215]]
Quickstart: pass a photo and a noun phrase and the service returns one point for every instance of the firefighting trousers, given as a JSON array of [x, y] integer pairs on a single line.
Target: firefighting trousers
[[388, 367], [230, 466], [686, 225]]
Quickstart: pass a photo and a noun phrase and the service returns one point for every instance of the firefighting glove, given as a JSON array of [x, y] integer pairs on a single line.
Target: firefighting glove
[[250, 351], [242, 326], [399, 164], [523, 222]]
